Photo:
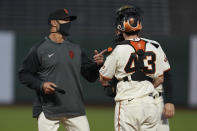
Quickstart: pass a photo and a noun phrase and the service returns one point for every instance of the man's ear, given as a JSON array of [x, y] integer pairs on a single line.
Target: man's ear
[[118, 32], [54, 23]]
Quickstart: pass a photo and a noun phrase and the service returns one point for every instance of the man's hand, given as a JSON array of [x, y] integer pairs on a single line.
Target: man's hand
[[157, 81], [98, 57], [103, 82], [47, 87], [169, 110]]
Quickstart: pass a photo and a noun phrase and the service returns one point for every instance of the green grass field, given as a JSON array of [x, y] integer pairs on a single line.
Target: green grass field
[[100, 119]]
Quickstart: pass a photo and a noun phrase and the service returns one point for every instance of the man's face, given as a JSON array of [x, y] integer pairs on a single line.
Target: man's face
[[56, 23], [61, 22]]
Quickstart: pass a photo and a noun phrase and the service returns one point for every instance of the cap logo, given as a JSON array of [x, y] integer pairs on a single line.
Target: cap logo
[[66, 11]]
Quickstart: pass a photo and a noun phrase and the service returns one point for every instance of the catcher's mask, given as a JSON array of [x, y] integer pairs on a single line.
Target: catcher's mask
[[128, 18]]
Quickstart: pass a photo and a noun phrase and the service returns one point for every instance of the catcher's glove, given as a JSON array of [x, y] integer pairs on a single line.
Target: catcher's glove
[[110, 90]]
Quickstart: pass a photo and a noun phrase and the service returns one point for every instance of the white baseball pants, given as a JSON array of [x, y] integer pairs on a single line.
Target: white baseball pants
[[139, 114], [79, 123]]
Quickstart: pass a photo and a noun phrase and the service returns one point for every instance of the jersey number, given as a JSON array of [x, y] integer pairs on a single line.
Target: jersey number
[[149, 63]]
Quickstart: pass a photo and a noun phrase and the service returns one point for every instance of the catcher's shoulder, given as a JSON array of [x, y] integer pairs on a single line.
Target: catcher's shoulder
[[110, 49], [114, 46], [152, 42]]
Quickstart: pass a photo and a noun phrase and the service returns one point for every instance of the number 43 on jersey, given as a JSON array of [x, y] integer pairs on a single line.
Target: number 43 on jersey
[[148, 57]]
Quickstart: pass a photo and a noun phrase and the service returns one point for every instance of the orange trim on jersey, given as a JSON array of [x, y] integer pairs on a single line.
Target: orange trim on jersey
[[119, 116], [105, 78], [161, 75], [138, 45], [167, 70], [109, 49]]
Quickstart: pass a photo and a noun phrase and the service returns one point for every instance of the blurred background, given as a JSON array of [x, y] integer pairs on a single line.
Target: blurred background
[[172, 23]]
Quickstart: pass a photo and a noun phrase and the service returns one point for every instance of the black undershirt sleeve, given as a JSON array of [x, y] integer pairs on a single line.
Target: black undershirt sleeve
[[28, 71], [89, 69], [167, 87]]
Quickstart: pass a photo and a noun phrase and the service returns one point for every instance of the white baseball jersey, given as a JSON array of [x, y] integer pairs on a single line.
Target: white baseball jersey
[[122, 62]]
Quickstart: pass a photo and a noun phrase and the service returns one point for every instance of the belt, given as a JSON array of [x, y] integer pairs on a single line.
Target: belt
[[150, 94], [156, 96], [160, 94]]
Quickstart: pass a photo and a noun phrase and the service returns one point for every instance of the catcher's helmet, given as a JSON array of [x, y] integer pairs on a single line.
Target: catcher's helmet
[[128, 18]]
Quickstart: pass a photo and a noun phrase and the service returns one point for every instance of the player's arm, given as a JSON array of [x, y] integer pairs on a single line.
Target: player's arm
[[90, 68], [169, 108], [167, 87], [107, 72], [28, 71], [164, 69], [29, 77], [157, 81], [162, 66]]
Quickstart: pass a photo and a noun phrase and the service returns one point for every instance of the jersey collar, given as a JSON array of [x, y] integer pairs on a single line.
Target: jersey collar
[[135, 39]]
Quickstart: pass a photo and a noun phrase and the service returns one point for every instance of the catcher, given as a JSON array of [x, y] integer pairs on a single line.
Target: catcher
[[134, 67]]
